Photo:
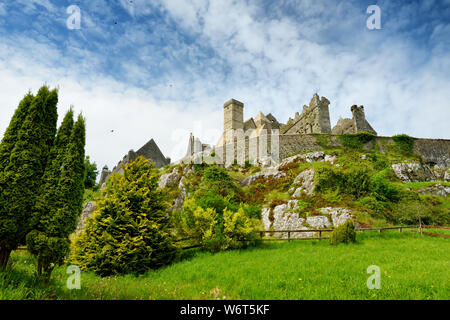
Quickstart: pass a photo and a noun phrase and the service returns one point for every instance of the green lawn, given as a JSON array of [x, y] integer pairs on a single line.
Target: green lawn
[[412, 267]]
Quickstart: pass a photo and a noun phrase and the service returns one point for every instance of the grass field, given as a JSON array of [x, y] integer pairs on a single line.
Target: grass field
[[412, 267]]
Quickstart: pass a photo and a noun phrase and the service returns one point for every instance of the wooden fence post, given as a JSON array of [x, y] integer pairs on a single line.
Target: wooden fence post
[[289, 236], [320, 235]]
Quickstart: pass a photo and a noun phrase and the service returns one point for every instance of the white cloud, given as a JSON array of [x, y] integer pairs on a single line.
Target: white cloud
[[273, 64]]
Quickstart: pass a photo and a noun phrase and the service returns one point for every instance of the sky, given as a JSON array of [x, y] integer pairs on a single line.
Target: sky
[[142, 69]]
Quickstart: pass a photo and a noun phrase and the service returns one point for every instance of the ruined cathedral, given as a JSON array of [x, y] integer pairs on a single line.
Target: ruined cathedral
[[258, 143], [271, 139]]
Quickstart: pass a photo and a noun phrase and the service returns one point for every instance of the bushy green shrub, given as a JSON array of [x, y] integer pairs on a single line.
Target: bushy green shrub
[[216, 231], [378, 162], [218, 190], [382, 189], [328, 178], [404, 142], [332, 196], [358, 182], [344, 233], [356, 140], [354, 181], [373, 204], [129, 232]]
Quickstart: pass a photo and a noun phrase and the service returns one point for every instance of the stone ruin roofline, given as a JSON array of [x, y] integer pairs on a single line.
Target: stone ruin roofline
[[306, 110]]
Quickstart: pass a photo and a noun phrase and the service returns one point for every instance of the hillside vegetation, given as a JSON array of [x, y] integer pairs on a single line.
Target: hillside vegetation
[[358, 177]]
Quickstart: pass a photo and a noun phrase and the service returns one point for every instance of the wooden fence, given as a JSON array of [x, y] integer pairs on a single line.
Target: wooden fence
[[262, 233], [320, 231]]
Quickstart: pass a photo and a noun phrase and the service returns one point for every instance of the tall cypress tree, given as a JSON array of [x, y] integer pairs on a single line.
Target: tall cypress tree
[[23, 173], [60, 203], [11, 134]]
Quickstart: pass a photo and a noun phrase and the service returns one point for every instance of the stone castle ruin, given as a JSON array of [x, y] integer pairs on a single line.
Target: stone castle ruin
[[265, 140]]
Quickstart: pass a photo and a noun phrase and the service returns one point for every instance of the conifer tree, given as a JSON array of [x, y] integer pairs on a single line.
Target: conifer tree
[[22, 175], [11, 134], [60, 203], [129, 232]]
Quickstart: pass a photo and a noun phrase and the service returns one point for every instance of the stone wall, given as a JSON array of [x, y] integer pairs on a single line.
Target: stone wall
[[433, 151]]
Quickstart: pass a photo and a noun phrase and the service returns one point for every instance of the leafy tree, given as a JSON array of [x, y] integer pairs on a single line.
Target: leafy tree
[[59, 205], [91, 174], [129, 232], [22, 175]]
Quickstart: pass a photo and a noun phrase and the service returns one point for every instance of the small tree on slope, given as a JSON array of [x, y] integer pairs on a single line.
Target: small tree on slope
[[129, 232]]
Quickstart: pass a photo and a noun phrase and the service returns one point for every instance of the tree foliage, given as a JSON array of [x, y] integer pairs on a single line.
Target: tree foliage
[[60, 201], [91, 174], [129, 232], [22, 175], [214, 217]]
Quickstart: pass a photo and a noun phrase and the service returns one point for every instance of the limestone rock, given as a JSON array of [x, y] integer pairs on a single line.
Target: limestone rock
[[447, 175], [291, 160], [265, 216], [283, 217], [319, 222], [437, 189], [438, 171], [330, 159], [306, 181], [169, 179], [315, 156], [88, 209], [266, 173], [413, 172], [338, 215]]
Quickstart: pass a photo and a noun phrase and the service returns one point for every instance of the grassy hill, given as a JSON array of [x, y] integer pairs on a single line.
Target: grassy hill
[[412, 267]]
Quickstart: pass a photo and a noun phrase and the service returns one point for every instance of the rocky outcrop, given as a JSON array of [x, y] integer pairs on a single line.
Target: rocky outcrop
[[276, 172], [179, 201], [88, 209], [266, 173], [413, 172], [338, 215], [169, 179], [305, 182], [437, 190], [283, 217]]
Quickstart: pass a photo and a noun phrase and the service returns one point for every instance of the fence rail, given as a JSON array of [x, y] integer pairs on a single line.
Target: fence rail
[[263, 232], [320, 231]]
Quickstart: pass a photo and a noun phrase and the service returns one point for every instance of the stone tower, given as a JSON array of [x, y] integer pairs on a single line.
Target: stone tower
[[360, 121], [233, 112]]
